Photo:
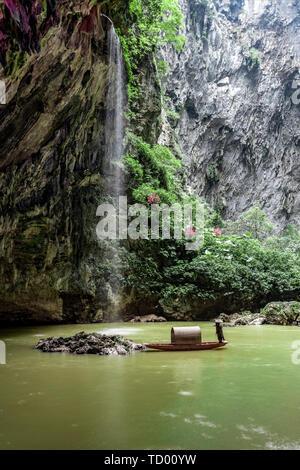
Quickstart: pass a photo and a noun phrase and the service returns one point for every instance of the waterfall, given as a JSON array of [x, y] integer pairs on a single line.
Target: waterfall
[[116, 102], [115, 120]]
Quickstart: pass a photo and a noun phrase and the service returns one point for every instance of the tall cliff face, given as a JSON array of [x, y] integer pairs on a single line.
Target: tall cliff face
[[52, 145], [53, 176], [235, 90]]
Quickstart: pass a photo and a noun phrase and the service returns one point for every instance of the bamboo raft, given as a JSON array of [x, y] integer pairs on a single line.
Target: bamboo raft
[[190, 339]]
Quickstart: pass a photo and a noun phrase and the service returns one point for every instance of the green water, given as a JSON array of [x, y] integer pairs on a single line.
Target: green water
[[245, 396]]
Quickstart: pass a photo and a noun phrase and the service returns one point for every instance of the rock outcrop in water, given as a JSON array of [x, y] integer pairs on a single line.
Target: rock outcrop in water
[[90, 343]]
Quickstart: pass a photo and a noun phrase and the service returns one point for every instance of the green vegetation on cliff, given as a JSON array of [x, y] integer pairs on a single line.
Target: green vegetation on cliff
[[152, 170], [152, 23]]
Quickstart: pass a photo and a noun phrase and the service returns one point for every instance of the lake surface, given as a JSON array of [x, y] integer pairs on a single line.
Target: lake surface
[[245, 396]]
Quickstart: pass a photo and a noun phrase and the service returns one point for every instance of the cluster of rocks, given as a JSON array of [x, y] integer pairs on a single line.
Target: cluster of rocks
[[275, 313], [90, 343], [241, 319], [282, 313], [147, 318]]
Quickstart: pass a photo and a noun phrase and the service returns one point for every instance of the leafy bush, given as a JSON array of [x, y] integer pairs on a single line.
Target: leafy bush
[[173, 117], [289, 240], [152, 170], [235, 266], [212, 174], [255, 56], [240, 269], [254, 221]]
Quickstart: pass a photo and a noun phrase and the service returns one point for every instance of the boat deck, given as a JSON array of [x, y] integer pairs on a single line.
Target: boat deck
[[185, 347]]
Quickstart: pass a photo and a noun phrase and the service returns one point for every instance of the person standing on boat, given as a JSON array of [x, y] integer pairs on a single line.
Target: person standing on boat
[[219, 331]]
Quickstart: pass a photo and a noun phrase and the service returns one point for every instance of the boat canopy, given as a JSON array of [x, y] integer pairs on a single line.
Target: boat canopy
[[186, 335]]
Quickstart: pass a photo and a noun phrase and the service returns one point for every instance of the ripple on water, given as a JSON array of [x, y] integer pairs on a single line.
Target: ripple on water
[[259, 430], [202, 421], [245, 437], [167, 415], [188, 420], [283, 445], [241, 427], [185, 394], [21, 402], [272, 440], [207, 424], [252, 429]]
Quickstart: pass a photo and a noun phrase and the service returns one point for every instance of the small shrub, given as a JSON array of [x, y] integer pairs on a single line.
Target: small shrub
[[255, 56], [212, 174]]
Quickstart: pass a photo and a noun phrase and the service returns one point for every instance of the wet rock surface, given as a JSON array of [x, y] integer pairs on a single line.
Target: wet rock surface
[[235, 89], [147, 319], [275, 313], [90, 343], [282, 313], [53, 176], [242, 319]]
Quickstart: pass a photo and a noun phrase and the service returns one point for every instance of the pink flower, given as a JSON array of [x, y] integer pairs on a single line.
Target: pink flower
[[218, 231], [190, 231], [154, 199]]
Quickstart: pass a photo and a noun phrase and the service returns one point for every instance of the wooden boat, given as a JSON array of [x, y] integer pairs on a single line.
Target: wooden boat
[[190, 339], [185, 347]]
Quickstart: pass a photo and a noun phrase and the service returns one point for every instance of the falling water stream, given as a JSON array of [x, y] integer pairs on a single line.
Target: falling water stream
[[116, 102], [115, 120]]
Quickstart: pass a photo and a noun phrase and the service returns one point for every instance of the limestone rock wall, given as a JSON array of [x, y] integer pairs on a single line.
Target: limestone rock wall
[[52, 179], [235, 89]]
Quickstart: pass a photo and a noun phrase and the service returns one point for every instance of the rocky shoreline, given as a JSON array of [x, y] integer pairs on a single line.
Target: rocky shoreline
[[275, 313], [90, 343], [241, 319], [152, 318]]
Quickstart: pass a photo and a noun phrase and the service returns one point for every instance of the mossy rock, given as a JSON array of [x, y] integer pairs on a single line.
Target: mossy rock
[[282, 313]]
